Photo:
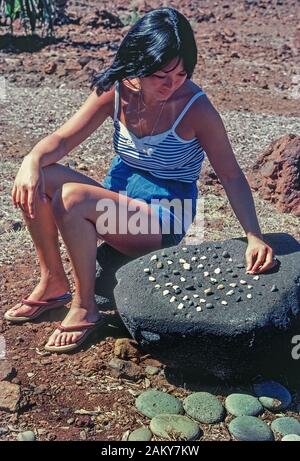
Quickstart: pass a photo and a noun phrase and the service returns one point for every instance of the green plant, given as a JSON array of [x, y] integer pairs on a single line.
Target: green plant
[[132, 18], [30, 12]]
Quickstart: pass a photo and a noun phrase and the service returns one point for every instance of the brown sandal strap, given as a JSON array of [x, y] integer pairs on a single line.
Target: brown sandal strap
[[63, 298], [81, 326]]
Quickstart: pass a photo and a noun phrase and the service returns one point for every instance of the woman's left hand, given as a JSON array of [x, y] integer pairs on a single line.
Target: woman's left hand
[[259, 256]]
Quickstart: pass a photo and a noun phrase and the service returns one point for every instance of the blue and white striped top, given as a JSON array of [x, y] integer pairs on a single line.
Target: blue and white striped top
[[171, 158]]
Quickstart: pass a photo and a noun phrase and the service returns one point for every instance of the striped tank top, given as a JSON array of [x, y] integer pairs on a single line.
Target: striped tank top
[[171, 157]]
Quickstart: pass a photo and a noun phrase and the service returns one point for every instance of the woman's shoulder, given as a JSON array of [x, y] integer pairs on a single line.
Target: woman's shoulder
[[202, 103], [187, 93], [201, 109], [194, 87]]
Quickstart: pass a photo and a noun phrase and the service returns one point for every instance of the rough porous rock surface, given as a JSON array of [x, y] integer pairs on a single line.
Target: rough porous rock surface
[[195, 306], [108, 261], [276, 174]]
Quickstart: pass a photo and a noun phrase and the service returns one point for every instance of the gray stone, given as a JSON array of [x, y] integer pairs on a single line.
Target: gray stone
[[151, 370], [291, 438], [286, 425], [27, 436], [174, 427], [9, 396], [204, 407], [125, 369], [209, 306], [142, 434], [250, 428], [272, 395], [108, 261], [243, 405], [152, 403], [6, 370], [237, 341]]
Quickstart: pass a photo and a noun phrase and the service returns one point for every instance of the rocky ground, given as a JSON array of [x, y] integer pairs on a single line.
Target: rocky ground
[[247, 64]]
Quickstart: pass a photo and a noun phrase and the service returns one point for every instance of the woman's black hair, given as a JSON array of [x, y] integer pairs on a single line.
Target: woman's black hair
[[152, 42]]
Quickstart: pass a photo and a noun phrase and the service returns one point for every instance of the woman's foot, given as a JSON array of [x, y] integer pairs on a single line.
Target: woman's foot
[[43, 291], [76, 316]]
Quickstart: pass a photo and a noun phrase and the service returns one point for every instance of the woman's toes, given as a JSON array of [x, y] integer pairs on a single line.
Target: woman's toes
[[19, 310], [52, 339], [65, 339], [59, 338], [58, 341], [69, 338]]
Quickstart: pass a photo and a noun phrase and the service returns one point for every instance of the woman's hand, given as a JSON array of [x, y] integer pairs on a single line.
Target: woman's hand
[[259, 256], [28, 182]]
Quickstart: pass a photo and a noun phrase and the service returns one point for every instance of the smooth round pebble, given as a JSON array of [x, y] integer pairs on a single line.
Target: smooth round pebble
[[243, 405], [291, 438], [175, 426], [250, 428], [152, 403], [151, 370], [286, 425], [142, 434], [204, 407], [273, 395], [27, 436]]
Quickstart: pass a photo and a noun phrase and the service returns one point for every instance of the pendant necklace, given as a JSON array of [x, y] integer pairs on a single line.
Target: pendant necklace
[[148, 150]]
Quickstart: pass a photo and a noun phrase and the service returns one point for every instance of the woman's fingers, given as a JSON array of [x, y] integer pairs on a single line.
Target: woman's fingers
[[250, 260], [17, 195], [260, 259], [269, 261], [23, 200], [13, 195], [31, 201]]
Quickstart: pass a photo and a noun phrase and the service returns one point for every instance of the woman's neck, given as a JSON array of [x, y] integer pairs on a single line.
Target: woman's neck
[[147, 100]]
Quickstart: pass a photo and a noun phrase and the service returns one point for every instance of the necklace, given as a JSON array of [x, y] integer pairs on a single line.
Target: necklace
[[148, 150]]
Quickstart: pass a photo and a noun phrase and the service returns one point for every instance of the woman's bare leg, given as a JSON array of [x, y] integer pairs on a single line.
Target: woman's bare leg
[[74, 209], [43, 230]]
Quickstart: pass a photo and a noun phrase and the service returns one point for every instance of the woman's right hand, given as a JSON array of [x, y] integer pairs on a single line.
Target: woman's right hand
[[28, 183]]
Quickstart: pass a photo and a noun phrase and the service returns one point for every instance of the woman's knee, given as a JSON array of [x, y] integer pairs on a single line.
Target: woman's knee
[[51, 179], [66, 200]]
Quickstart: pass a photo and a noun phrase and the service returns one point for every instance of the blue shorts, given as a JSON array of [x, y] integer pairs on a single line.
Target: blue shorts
[[140, 184], [167, 220]]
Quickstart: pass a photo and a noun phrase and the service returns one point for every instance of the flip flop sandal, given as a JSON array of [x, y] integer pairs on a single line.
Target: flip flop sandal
[[43, 306], [89, 327]]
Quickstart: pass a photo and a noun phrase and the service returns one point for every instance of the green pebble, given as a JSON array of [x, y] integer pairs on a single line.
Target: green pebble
[[176, 427], [243, 405], [27, 436], [273, 395], [152, 403], [250, 428], [142, 434], [286, 425], [291, 438], [204, 407], [151, 370]]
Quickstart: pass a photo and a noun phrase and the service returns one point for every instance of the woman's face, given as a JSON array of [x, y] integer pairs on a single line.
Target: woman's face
[[164, 82]]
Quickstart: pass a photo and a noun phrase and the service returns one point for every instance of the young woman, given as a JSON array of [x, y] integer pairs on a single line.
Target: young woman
[[164, 123]]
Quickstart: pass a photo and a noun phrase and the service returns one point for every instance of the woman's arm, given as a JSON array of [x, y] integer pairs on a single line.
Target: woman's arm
[[52, 148], [213, 138], [82, 124]]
